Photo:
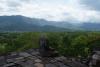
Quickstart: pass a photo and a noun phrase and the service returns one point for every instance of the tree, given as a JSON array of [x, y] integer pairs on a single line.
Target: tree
[[80, 45]]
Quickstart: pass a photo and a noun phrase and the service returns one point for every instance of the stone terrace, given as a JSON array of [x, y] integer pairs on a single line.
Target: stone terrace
[[32, 58]]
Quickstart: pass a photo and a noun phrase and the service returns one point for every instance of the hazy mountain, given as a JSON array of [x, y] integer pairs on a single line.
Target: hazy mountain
[[90, 26], [21, 23]]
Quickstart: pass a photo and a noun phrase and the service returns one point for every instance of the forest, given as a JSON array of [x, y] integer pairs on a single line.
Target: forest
[[70, 44]]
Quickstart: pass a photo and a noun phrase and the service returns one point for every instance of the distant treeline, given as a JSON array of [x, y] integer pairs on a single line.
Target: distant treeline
[[71, 44]]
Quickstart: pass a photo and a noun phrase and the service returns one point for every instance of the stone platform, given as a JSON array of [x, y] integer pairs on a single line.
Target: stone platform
[[32, 58]]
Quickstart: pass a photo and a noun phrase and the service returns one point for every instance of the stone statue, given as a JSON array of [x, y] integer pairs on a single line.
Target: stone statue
[[43, 45], [45, 49]]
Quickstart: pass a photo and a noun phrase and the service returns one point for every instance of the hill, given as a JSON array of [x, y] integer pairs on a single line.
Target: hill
[[22, 23]]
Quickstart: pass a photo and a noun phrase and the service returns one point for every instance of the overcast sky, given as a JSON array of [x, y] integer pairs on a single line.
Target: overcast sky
[[53, 10]]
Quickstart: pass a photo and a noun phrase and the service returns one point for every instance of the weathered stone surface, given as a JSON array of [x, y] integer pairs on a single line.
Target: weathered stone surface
[[28, 63], [10, 60], [95, 59], [53, 61], [14, 53], [7, 65], [62, 65], [38, 60], [19, 59], [2, 60], [35, 53], [76, 64], [26, 59], [39, 65], [62, 58], [33, 58], [24, 54], [50, 65]]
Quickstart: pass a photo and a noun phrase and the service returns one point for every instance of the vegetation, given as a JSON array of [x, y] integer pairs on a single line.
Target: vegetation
[[71, 44]]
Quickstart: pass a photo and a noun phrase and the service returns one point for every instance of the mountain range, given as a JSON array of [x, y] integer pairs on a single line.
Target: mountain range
[[22, 23]]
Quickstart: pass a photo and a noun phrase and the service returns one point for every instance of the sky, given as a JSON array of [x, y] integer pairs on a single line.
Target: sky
[[53, 10]]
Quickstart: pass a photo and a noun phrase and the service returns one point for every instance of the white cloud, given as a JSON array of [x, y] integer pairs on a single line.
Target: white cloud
[[57, 10]]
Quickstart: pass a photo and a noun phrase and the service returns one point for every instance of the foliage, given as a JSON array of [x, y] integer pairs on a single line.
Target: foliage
[[71, 44]]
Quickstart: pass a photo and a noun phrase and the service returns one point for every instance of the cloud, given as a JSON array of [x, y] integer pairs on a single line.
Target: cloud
[[92, 4], [56, 10]]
